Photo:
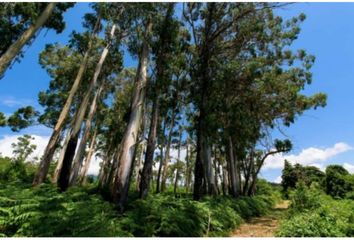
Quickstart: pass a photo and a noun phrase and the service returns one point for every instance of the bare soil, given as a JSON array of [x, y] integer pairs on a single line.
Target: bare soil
[[264, 226]]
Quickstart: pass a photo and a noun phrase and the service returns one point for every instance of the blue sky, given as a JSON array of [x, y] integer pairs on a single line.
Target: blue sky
[[328, 33]]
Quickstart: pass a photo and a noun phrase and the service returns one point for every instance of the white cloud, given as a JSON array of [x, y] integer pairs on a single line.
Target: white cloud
[[94, 166], [309, 156], [41, 142], [277, 179], [349, 167], [15, 102], [7, 140], [319, 166]]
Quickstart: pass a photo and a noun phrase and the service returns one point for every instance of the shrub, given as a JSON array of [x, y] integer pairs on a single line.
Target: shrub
[[45, 212], [303, 198], [314, 214], [80, 212], [311, 224]]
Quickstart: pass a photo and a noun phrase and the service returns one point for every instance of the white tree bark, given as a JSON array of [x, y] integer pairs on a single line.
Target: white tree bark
[[16, 47], [53, 141], [125, 157], [61, 157]]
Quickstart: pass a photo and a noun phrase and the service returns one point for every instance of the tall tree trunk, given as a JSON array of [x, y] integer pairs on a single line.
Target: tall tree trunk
[[82, 146], [81, 114], [61, 157], [233, 170], [150, 149], [177, 164], [158, 180], [248, 174], [216, 173], [200, 184], [86, 166], [199, 176], [112, 167], [121, 179], [167, 153], [225, 178], [209, 173], [203, 79], [16, 47], [64, 174], [160, 76], [53, 141], [62, 151], [138, 168], [231, 167], [187, 182]]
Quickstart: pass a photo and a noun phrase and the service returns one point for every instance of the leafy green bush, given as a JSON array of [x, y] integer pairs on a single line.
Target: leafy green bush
[[338, 181], [16, 171], [266, 189], [45, 212], [311, 224], [304, 198], [314, 214], [42, 211]]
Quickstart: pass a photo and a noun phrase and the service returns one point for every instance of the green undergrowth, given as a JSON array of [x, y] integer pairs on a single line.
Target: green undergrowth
[[81, 212], [312, 213]]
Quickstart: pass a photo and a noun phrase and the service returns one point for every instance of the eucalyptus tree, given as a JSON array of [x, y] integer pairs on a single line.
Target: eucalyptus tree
[[113, 122], [267, 90], [179, 168], [209, 23], [88, 157], [79, 157], [142, 25], [163, 49], [240, 48], [60, 123], [114, 36], [19, 24]]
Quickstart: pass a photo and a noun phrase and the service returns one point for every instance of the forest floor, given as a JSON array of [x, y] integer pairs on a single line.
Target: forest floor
[[264, 226]]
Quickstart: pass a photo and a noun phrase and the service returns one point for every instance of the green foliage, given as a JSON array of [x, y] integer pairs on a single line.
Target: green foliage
[[266, 189], [23, 148], [291, 175], [338, 181], [80, 212], [22, 118], [16, 18], [311, 224], [314, 214], [45, 212], [15, 171], [2, 119], [304, 198], [168, 216]]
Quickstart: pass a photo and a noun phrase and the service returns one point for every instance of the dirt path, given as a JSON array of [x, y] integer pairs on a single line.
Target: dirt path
[[262, 226]]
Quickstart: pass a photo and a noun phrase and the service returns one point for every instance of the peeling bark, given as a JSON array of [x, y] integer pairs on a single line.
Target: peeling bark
[[125, 156]]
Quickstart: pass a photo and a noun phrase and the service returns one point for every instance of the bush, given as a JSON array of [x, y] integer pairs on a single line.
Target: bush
[[16, 171], [314, 214], [266, 189], [311, 224], [304, 198], [80, 212], [45, 212]]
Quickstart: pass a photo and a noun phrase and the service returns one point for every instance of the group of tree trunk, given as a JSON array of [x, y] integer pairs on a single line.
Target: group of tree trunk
[[212, 81]]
